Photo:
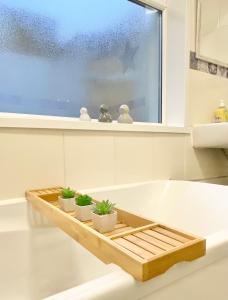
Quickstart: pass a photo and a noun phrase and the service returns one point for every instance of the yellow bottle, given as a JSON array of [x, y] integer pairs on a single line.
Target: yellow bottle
[[221, 113]]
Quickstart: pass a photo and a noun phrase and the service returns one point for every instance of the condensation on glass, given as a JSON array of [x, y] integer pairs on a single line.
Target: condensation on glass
[[57, 56]]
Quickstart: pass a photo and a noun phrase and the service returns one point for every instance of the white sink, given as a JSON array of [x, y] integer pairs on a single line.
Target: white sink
[[213, 135]]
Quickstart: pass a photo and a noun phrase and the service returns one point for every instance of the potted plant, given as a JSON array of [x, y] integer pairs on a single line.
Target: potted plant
[[104, 217], [66, 199], [83, 207]]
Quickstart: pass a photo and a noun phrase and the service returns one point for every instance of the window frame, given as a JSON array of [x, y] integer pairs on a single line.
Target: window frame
[[173, 104]]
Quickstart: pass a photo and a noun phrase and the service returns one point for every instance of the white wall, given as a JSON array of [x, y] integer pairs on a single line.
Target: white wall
[[32, 158]]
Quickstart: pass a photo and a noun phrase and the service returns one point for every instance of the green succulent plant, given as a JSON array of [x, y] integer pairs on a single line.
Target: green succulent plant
[[83, 200], [68, 193], [104, 207]]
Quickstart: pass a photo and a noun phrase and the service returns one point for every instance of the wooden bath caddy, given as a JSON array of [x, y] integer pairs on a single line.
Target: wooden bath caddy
[[140, 246]]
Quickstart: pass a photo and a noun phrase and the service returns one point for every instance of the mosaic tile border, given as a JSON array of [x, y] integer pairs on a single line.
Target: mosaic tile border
[[207, 67]]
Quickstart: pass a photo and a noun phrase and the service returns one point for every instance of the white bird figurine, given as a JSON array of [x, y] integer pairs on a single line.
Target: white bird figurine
[[124, 115], [84, 116]]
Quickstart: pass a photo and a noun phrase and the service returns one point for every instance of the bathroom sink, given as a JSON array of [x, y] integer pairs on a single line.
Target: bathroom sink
[[213, 135]]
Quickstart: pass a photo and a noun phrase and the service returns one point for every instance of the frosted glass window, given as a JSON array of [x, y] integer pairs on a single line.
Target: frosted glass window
[[59, 55]]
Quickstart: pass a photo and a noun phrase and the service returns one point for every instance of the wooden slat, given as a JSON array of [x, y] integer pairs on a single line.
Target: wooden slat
[[40, 193], [119, 225], [143, 244], [133, 248], [71, 213], [51, 188], [185, 234], [88, 223], [118, 230], [48, 191], [153, 241], [54, 190], [172, 235], [163, 238], [58, 189], [133, 230]]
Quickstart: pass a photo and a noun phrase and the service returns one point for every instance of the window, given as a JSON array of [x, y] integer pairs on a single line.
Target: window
[[57, 56]]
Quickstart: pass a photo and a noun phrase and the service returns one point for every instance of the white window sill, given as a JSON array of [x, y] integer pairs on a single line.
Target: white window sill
[[10, 120]]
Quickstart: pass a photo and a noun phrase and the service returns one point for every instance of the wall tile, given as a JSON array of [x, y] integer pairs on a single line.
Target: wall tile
[[29, 159], [145, 157], [133, 159], [89, 159], [168, 156]]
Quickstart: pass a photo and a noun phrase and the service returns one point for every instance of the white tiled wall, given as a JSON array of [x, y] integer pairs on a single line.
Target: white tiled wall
[[144, 156], [29, 158], [89, 158], [41, 158]]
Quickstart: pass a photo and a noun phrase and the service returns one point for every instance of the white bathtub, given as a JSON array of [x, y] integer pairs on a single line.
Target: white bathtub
[[41, 262]]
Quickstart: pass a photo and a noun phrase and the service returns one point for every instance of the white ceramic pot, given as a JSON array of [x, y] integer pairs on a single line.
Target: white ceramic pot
[[104, 223], [67, 204], [84, 213]]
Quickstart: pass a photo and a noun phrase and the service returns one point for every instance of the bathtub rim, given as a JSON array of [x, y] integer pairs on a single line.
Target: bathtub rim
[[12, 201], [141, 183]]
